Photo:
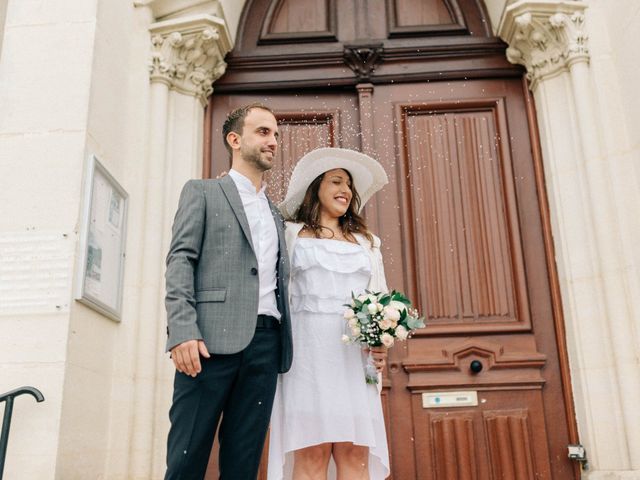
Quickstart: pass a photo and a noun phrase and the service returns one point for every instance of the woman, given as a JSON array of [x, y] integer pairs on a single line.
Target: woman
[[326, 418]]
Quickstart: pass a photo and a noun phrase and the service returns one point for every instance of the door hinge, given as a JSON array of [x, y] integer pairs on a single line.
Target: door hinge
[[578, 453]]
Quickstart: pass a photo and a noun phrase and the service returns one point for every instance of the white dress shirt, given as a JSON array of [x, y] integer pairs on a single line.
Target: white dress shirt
[[265, 240]]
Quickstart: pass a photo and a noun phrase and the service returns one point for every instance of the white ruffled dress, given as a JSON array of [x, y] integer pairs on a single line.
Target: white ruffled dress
[[324, 397]]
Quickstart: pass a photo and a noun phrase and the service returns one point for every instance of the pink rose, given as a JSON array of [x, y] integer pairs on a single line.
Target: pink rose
[[397, 305], [386, 339], [402, 333], [391, 313], [385, 324]]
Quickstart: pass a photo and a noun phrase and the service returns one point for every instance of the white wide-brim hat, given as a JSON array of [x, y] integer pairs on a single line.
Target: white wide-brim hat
[[367, 174]]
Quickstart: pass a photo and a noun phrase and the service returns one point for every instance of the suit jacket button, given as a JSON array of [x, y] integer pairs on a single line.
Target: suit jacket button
[[254, 271]]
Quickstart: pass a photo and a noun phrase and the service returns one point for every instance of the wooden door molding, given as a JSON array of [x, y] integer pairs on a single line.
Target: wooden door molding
[[461, 45], [554, 283]]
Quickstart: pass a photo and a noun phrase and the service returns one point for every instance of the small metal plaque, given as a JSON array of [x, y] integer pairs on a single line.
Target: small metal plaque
[[449, 399]]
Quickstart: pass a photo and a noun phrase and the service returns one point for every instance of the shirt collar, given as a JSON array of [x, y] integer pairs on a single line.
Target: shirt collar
[[244, 184]]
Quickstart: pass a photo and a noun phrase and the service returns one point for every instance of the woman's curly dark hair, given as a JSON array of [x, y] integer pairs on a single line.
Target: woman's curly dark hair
[[309, 212]]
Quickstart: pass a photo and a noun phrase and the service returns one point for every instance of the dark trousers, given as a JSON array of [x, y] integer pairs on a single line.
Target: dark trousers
[[241, 387]]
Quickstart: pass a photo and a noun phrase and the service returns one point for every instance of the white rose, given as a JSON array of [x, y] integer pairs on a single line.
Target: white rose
[[355, 331], [401, 333], [380, 307], [362, 298], [391, 313], [372, 298], [373, 308], [345, 339], [349, 313], [385, 324], [398, 305], [353, 322], [386, 339]]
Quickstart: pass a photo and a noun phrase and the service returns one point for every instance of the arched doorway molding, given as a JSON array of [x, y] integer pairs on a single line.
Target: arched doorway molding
[[163, 9]]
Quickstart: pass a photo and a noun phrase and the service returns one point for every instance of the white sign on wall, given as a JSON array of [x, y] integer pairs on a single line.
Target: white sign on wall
[[35, 272]]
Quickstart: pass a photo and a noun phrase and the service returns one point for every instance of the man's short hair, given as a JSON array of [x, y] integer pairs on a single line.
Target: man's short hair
[[235, 121]]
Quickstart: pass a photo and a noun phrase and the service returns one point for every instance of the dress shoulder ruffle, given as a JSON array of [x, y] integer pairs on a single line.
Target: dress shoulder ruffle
[[333, 255]]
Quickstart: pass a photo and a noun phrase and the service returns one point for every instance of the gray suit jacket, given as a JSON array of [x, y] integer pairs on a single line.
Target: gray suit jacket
[[211, 278]]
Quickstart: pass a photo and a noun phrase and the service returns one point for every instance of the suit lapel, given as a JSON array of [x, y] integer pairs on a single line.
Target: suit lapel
[[277, 218], [282, 265], [233, 197], [283, 257]]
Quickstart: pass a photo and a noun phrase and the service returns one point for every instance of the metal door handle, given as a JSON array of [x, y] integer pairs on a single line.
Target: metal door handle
[[475, 366]]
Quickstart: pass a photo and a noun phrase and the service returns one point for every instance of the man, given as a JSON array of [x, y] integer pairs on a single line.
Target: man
[[227, 311]]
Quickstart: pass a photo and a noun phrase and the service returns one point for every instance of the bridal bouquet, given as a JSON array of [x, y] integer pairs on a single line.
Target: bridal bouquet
[[376, 319]]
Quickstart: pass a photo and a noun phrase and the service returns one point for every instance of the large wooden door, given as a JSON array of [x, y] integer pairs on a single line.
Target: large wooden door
[[471, 251], [465, 233]]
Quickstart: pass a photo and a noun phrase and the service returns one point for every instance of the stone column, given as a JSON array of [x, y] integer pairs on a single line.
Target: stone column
[[549, 38], [187, 56]]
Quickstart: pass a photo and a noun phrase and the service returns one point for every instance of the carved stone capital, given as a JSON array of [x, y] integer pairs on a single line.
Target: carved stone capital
[[362, 59], [188, 54], [546, 36]]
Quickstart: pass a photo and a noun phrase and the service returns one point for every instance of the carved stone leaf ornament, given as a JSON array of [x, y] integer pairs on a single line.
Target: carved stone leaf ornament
[[188, 56], [545, 37], [188, 63]]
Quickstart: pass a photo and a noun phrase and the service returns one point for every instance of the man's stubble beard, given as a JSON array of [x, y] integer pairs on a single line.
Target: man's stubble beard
[[254, 157]]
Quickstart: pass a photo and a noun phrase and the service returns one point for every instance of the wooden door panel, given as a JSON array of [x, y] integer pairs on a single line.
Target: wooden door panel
[[298, 16], [509, 438], [410, 13], [483, 443], [470, 265], [453, 433]]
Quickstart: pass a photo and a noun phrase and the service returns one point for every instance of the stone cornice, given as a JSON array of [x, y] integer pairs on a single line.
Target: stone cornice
[[166, 9], [546, 36], [188, 53]]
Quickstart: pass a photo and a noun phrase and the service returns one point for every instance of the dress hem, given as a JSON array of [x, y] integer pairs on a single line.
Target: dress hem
[[377, 459]]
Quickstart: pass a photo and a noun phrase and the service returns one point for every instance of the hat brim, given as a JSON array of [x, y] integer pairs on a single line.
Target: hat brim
[[367, 174]]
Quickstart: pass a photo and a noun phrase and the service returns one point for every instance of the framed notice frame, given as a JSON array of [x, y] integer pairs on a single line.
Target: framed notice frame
[[102, 241]]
